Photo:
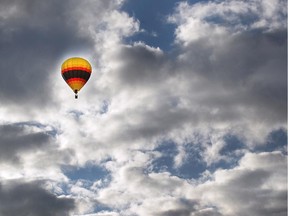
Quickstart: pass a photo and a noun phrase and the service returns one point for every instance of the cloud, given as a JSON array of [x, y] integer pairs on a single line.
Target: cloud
[[33, 37], [173, 95], [199, 20], [151, 96], [26, 148], [258, 183], [20, 198], [16, 140], [226, 76], [235, 77]]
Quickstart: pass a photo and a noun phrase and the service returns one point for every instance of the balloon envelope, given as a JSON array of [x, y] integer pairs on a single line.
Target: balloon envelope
[[76, 72]]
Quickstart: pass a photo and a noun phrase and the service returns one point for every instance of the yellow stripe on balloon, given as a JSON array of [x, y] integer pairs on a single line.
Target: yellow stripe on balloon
[[76, 62]]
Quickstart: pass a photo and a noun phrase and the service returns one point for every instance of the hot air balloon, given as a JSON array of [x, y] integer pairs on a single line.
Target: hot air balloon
[[76, 72]]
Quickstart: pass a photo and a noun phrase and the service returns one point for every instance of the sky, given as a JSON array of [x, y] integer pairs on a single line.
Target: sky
[[185, 112]]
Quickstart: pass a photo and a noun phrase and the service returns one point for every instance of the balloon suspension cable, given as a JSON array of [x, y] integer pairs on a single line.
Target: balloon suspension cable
[[76, 91]]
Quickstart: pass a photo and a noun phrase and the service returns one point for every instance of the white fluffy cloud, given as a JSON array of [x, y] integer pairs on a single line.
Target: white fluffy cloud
[[221, 17], [258, 183]]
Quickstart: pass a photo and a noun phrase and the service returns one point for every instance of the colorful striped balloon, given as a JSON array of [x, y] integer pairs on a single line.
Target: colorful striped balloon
[[76, 72]]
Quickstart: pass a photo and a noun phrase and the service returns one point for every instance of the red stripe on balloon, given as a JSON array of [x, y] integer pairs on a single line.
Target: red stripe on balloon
[[76, 79]]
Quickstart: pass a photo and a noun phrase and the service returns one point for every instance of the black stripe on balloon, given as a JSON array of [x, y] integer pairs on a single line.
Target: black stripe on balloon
[[76, 74]]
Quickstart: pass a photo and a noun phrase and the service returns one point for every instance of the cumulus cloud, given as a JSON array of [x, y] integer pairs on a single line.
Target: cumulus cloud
[[235, 77], [201, 19], [258, 183]]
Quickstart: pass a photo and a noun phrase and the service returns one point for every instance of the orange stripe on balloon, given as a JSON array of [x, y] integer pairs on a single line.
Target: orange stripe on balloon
[[76, 68]]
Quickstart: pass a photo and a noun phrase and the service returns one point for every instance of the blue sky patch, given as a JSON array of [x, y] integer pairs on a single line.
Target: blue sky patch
[[168, 150], [153, 20], [233, 143], [276, 141], [192, 166], [101, 208], [89, 172]]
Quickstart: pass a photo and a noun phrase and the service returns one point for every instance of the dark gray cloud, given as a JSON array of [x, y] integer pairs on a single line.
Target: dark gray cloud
[[250, 67], [141, 66], [16, 140], [20, 198], [33, 36]]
